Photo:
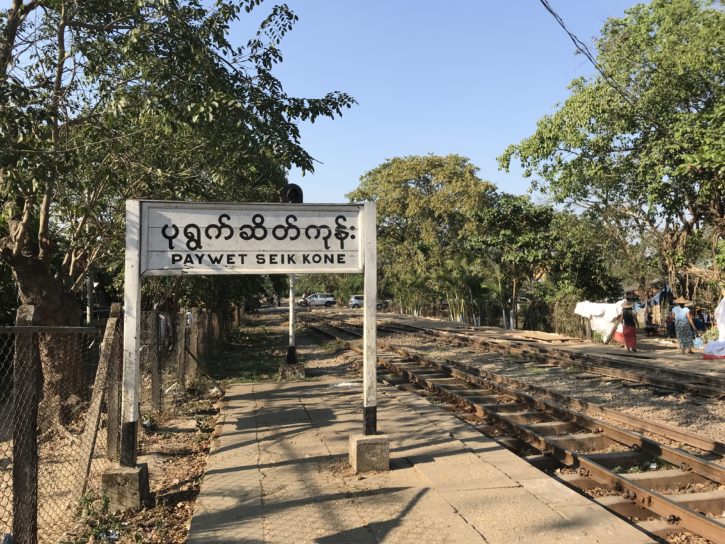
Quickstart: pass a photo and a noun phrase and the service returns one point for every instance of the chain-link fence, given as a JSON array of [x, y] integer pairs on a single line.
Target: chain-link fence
[[60, 407], [176, 349], [53, 422]]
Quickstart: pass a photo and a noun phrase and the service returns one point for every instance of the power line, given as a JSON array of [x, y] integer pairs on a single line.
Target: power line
[[584, 50]]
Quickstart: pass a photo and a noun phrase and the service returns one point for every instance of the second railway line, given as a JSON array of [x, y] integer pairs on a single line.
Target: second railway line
[[593, 446]]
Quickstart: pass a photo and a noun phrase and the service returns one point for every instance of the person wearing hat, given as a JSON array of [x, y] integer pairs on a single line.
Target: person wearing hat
[[684, 325], [629, 326]]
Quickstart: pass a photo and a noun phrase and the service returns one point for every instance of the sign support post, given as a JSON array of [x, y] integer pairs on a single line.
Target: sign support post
[[291, 349], [131, 335], [370, 333], [370, 451], [127, 485], [292, 195]]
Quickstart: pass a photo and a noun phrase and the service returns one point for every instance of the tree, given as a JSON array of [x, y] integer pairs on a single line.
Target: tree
[[542, 254], [424, 208], [109, 100], [643, 145], [583, 257], [513, 232], [105, 100]]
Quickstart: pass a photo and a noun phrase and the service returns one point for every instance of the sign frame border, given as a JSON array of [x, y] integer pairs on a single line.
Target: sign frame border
[[137, 216], [147, 205]]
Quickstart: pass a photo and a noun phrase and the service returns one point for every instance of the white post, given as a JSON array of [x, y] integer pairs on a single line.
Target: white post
[[89, 297], [131, 334], [291, 349], [370, 354]]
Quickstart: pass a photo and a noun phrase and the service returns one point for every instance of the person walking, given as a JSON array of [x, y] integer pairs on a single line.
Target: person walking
[[684, 325], [629, 326]]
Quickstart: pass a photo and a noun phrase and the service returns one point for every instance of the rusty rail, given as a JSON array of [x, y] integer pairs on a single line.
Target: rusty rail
[[521, 409]]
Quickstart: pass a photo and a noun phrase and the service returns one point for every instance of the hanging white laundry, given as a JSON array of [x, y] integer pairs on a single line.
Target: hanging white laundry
[[601, 316], [719, 315]]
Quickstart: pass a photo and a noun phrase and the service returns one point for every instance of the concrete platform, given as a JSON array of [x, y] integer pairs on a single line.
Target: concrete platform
[[656, 352], [279, 473]]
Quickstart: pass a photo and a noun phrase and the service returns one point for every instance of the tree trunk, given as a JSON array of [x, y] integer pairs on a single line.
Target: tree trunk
[[36, 286], [60, 355], [514, 309]]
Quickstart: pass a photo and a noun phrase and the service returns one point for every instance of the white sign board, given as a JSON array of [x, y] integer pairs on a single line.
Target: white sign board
[[230, 238], [171, 238]]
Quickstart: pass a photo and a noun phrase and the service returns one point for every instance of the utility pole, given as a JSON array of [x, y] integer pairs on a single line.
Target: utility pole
[[292, 369]]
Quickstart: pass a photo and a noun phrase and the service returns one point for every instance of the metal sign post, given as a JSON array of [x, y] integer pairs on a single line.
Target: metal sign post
[[292, 195], [204, 238], [131, 335], [291, 347], [370, 329]]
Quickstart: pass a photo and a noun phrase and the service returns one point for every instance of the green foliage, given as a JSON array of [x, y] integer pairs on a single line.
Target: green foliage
[[446, 235], [257, 354], [720, 254], [581, 258], [425, 205], [213, 292], [643, 149], [105, 101], [550, 257], [711, 335], [98, 524]]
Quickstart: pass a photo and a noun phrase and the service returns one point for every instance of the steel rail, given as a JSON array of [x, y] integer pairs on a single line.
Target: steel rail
[[675, 456], [680, 380], [590, 408], [666, 508], [664, 431], [693, 521], [701, 443], [480, 377]]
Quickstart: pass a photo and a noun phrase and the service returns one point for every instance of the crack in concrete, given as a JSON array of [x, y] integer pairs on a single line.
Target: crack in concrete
[[262, 476]]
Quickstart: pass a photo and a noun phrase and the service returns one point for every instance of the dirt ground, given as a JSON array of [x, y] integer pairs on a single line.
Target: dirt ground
[[176, 444]]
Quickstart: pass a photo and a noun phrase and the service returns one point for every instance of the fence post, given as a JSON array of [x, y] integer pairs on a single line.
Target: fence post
[[192, 371], [153, 358], [113, 427], [200, 325], [27, 384], [216, 327], [235, 315], [110, 347], [204, 334], [181, 332]]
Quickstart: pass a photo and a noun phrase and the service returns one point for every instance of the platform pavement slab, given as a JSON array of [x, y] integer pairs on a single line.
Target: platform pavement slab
[[278, 473]]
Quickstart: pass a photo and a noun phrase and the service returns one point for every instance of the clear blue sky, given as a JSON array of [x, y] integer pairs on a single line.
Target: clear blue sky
[[430, 76]]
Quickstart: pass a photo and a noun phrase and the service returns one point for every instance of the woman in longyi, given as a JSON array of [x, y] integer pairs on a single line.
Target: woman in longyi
[[629, 327], [684, 325]]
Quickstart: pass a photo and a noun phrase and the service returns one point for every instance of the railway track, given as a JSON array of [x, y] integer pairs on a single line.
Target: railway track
[[662, 489], [630, 370]]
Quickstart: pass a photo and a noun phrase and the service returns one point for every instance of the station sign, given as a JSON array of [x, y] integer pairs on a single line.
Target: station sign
[[233, 238]]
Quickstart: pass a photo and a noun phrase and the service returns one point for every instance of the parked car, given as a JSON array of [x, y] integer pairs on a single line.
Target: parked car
[[318, 299], [357, 301]]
